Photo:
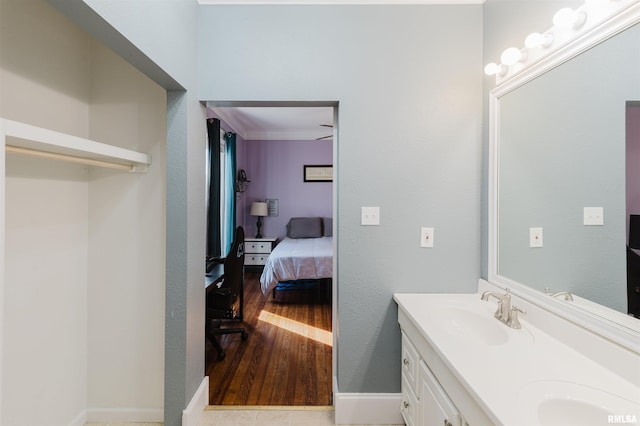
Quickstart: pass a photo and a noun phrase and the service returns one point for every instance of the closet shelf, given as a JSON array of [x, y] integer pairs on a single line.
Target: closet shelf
[[26, 139]]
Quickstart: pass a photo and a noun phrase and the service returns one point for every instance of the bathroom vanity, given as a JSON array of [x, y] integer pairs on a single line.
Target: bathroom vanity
[[461, 366]]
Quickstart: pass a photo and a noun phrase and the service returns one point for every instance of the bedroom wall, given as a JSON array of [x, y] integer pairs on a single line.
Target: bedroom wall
[[410, 142], [275, 169], [633, 159]]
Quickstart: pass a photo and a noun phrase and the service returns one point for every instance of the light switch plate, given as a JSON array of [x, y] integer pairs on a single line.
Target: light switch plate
[[593, 216], [370, 216], [426, 237], [535, 237]]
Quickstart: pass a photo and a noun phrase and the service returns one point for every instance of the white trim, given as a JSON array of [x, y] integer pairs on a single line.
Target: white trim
[[80, 419], [368, 408], [124, 415], [601, 325], [191, 415]]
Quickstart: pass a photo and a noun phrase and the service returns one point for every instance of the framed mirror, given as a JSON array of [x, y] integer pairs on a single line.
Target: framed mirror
[[557, 150]]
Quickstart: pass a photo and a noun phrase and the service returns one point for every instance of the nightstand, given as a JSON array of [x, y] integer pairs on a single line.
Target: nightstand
[[257, 250]]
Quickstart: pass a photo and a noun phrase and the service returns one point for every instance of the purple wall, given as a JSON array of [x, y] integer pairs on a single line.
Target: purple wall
[[633, 162], [275, 169]]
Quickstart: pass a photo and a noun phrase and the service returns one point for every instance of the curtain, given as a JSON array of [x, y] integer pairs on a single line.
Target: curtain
[[230, 189], [214, 248]]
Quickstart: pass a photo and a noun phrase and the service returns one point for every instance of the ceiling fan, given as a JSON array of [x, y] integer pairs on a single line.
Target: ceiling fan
[[328, 136]]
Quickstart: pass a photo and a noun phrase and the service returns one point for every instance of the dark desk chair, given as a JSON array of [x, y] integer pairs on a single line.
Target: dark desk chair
[[225, 299]]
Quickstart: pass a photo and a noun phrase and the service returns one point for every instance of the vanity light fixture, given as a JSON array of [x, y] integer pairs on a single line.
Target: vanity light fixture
[[567, 24], [569, 18], [535, 40]]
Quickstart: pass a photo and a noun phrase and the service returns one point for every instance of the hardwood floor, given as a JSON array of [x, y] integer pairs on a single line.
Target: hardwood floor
[[285, 361]]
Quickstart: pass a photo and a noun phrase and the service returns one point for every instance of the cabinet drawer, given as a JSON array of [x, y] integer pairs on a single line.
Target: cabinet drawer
[[255, 259], [409, 404], [410, 361], [253, 247]]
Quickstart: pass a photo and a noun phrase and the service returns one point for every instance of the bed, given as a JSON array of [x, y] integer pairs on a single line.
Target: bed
[[305, 254]]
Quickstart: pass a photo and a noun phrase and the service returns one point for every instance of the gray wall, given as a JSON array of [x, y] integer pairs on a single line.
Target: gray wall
[[408, 81]]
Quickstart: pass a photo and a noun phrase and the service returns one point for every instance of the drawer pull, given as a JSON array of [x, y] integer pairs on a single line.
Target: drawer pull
[[406, 361], [405, 404]]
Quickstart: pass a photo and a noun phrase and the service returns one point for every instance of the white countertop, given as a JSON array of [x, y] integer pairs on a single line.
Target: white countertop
[[500, 375]]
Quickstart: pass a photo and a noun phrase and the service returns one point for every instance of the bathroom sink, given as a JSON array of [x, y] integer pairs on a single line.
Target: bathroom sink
[[471, 326], [550, 402]]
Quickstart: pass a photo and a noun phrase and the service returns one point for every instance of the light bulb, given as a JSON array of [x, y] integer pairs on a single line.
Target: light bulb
[[511, 56], [535, 40], [568, 18], [495, 69]]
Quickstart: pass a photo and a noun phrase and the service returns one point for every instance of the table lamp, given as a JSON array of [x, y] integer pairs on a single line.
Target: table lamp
[[259, 208]]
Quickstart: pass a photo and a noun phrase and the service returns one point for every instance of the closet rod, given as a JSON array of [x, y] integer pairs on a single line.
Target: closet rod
[[69, 158]]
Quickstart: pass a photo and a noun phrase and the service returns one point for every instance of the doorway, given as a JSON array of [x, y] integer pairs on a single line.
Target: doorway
[[289, 357], [632, 156]]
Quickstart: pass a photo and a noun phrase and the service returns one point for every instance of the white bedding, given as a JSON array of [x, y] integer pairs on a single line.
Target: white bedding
[[300, 258]]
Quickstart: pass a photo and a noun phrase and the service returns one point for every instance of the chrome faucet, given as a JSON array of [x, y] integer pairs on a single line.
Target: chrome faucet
[[504, 304], [505, 313]]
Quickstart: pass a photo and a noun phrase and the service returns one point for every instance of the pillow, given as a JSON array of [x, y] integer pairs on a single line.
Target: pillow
[[327, 226], [304, 227]]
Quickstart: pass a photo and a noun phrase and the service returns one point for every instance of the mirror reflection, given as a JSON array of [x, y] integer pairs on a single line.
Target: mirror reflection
[[564, 140]]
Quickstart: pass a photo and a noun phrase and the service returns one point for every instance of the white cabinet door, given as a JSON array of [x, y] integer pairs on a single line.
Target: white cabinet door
[[436, 409]]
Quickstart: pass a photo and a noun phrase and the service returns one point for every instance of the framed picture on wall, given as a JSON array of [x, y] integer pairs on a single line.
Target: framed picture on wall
[[272, 206], [322, 173]]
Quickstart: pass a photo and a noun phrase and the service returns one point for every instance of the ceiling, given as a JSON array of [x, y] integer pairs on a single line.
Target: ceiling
[[277, 122]]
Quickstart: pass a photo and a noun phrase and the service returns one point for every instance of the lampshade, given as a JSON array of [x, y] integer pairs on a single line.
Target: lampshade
[[634, 231], [259, 208]]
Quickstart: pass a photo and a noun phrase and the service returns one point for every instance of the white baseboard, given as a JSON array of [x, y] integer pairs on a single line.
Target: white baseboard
[[80, 419], [124, 415], [191, 414], [367, 408]]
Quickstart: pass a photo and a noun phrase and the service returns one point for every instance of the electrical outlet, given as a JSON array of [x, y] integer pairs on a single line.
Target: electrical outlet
[[535, 237], [370, 216], [426, 237]]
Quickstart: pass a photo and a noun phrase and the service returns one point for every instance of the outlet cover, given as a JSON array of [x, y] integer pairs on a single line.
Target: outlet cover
[[535, 237], [593, 216], [426, 237], [370, 216]]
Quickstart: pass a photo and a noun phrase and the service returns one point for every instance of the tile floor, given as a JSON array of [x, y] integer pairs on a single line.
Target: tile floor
[[268, 417]]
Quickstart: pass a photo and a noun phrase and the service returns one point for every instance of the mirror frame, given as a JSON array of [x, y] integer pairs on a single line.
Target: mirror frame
[[604, 326]]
